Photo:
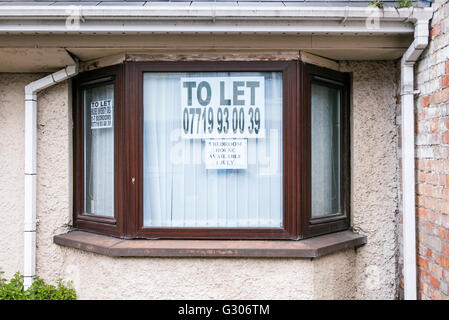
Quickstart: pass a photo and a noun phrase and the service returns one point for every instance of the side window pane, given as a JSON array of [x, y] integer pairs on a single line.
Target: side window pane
[[99, 150], [325, 150], [212, 149]]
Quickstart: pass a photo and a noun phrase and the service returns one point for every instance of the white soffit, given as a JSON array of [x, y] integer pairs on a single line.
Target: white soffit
[[33, 59], [35, 38]]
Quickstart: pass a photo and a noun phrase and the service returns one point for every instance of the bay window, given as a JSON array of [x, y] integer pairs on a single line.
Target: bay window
[[211, 150]]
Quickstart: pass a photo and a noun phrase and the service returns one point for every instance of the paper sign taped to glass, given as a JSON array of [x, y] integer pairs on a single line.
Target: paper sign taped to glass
[[223, 107], [101, 112], [226, 154]]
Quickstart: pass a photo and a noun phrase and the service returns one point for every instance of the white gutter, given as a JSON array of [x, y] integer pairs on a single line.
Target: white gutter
[[206, 19], [31, 90], [408, 155]]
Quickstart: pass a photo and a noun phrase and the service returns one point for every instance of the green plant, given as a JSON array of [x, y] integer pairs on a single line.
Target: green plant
[[376, 3], [405, 3], [39, 290]]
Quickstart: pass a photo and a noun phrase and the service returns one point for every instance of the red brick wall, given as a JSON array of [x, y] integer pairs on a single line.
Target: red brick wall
[[432, 161]]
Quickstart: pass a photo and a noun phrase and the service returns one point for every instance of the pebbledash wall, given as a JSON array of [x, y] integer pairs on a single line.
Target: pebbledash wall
[[432, 160], [370, 272]]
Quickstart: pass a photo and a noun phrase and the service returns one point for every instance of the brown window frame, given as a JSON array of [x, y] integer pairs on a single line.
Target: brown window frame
[[336, 222], [128, 152], [105, 225]]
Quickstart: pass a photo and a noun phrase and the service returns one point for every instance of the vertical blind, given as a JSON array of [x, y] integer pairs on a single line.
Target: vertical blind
[[178, 190], [98, 156], [325, 150]]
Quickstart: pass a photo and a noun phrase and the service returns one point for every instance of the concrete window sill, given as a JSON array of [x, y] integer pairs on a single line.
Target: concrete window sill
[[115, 247]]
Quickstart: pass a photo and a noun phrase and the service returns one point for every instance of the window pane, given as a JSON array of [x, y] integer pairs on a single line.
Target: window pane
[[99, 150], [325, 150], [212, 149]]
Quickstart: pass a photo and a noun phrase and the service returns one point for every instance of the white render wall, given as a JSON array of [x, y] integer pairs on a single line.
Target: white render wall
[[369, 272]]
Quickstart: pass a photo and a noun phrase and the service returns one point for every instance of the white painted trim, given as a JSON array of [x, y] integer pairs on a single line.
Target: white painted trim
[[180, 12]]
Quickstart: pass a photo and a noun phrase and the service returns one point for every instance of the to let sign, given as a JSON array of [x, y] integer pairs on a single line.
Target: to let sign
[[101, 114], [226, 154], [223, 107]]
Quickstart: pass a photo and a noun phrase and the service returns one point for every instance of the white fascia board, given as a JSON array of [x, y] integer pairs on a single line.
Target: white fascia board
[[210, 19], [225, 12], [247, 27]]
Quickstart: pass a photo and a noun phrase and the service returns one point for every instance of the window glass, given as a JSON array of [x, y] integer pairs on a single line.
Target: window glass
[[212, 153], [99, 150], [325, 150]]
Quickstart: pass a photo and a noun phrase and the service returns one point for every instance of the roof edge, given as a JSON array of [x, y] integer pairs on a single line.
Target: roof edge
[[210, 19], [207, 11]]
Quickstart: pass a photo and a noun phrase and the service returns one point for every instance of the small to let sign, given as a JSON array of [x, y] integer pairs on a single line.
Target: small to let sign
[[226, 154], [223, 107], [101, 114]]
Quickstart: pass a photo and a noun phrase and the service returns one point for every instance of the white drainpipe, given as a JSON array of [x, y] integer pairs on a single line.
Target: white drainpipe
[[408, 155], [31, 91]]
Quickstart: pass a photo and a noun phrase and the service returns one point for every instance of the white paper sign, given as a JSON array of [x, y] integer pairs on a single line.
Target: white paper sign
[[101, 114], [223, 107], [226, 154]]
